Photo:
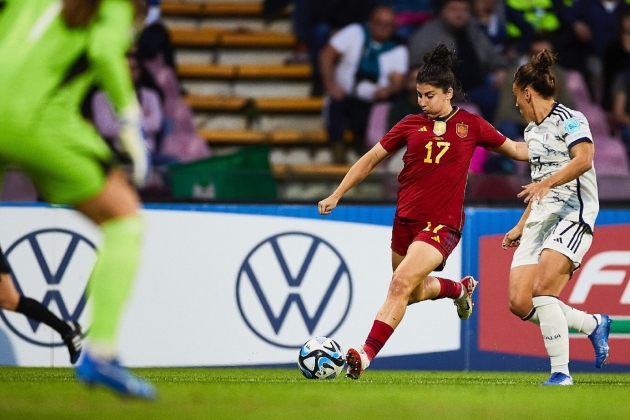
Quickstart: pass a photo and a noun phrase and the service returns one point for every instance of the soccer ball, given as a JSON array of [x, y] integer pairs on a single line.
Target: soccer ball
[[321, 358]]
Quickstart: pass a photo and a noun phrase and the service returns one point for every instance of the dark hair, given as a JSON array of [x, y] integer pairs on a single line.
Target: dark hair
[[443, 3], [77, 13], [537, 74], [437, 71]]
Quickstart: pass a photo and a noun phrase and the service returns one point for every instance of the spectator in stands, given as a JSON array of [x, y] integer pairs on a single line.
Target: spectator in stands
[[490, 17], [481, 69], [406, 102], [508, 119], [556, 18], [411, 14], [180, 139], [155, 41], [621, 106], [595, 27], [616, 57], [362, 64], [314, 22], [107, 123]]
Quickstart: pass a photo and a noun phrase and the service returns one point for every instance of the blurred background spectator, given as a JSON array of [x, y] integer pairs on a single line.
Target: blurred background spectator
[[616, 57], [596, 27], [621, 106], [314, 21], [362, 64], [411, 14], [106, 121], [481, 69], [490, 17], [180, 139], [508, 119], [556, 19]]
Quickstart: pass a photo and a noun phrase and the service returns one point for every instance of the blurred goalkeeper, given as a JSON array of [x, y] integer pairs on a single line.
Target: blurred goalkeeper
[[51, 52]]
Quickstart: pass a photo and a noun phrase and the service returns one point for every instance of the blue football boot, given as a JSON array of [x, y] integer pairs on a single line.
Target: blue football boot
[[599, 339], [110, 374], [558, 378]]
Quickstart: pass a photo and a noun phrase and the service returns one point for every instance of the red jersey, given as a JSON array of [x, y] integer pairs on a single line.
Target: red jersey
[[433, 180]]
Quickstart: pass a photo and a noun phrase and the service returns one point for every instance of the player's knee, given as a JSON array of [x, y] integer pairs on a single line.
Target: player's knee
[[400, 286], [520, 306]]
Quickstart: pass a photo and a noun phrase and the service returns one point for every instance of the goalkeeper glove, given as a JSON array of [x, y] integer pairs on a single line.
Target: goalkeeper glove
[[134, 143]]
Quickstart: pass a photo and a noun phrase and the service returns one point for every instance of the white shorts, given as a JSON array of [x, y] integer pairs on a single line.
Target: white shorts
[[569, 238]]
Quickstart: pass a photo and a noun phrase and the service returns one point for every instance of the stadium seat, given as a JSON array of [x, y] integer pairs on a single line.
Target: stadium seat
[[497, 186], [610, 157], [205, 37], [214, 9], [216, 103], [274, 71], [206, 71], [289, 104], [310, 171], [213, 37], [277, 137]]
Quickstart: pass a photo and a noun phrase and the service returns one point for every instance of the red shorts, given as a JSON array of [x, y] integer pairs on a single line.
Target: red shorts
[[406, 231]]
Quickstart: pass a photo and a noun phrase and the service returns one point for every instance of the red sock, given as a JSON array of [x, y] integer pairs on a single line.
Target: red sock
[[377, 338], [449, 289]]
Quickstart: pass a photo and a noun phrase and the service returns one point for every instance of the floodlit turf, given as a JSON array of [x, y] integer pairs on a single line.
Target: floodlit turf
[[29, 393]]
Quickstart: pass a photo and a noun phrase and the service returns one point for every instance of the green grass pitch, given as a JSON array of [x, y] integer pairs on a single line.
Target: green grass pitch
[[34, 393]]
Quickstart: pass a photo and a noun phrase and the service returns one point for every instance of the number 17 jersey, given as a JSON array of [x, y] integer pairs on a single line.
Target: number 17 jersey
[[436, 162]]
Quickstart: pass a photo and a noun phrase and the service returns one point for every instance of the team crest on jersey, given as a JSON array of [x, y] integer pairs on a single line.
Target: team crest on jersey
[[439, 128], [571, 125], [461, 129]]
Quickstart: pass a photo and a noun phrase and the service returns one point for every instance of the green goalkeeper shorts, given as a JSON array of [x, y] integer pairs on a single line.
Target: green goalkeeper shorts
[[63, 154]]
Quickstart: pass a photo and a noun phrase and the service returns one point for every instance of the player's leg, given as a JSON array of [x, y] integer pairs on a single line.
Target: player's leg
[[411, 271], [554, 271], [11, 300], [444, 239], [70, 164], [572, 242], [115, 210]]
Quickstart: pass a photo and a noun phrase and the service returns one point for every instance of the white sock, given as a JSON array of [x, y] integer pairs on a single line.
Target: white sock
[[532, 316], [576, 319], [555, 331]]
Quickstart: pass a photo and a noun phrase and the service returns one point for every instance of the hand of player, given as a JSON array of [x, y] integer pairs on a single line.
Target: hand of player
[[327, 205], [132, 139], [534, 191], [512, 239]]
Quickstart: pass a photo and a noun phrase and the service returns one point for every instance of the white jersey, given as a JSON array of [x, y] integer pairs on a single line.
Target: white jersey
[[549, 143]]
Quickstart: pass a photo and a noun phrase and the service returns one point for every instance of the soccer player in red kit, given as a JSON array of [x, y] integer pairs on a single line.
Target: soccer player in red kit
[[430, 211]]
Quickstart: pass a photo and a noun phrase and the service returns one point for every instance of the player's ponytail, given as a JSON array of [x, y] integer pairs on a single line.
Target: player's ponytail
[[537, 74], [79, 13], [437, 71]]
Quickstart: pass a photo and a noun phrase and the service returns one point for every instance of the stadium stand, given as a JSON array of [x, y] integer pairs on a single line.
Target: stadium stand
[[231, 64]]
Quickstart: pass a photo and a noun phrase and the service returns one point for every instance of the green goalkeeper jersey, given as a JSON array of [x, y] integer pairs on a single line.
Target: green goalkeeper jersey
[[41, 58]]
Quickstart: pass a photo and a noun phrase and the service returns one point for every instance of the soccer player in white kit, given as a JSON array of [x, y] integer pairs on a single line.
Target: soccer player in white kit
[[556, 229]]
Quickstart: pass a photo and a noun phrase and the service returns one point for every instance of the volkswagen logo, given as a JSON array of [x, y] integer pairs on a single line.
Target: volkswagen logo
[[53, 267], [291, 286]]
